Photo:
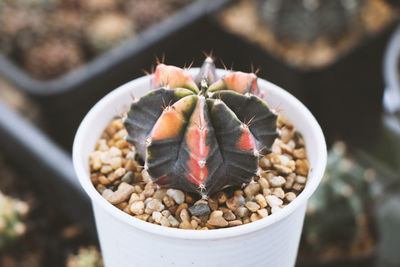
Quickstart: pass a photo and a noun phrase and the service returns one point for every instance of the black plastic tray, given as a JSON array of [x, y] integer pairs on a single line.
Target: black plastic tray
[[34, 154], [345, 96], [64, 100]]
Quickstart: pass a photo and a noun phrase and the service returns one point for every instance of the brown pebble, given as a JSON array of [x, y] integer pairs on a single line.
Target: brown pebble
[[160, 194], [143, 217], [298, 187], [123, 192], [221, 196], [300, 153], [185, 225], [252, 206], [216, 219], [233, 203], [263, 183], [252, 189], [228, 215], [260, 199], [263, 213], [255, 217], [168, 201], [278, 192], [189, 199], [213, 204], [290, 181], [290, 196], [302, 167], [181, 207], [235, 223]]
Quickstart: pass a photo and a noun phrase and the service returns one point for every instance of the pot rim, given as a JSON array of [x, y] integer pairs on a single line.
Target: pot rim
[[314, 177]]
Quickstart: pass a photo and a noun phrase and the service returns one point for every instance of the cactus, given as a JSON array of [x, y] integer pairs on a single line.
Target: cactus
[[201, 134], [12, 212], [306, 21], [86, 257], [338, 210]]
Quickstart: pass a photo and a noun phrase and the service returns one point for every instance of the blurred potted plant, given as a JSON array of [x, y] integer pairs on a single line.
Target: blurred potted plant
[[340, 227], [324, 52]]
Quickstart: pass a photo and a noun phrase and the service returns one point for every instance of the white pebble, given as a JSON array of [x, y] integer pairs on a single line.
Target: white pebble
[[177, 195], [273, 201]]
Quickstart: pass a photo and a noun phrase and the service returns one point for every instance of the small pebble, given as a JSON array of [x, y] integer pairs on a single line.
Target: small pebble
[[252, 189], [157, 216], [252, 206], [242, 212], [300, 153], [143, 217], [228, 215], [173, 221], [221, 196], [278, 192], [127, 178], [235, 223], [168, 201], [177, 195], [165, 222], [263, 182], [137, 207], [106, 169], [262, 212], [123, 192], [116, 163], [260, 199], [290, 196], [213, 204], [119, 172], [273, 201], [184, 215], [154, 205], [166, 213], [255, 217], [160, 193], [200, 209], [301, 179], [216, 219], [277, 181], [233, 203]]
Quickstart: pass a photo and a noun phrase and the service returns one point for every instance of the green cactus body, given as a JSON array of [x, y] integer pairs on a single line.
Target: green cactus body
[[201, 134], [12, 213], [339, 207]]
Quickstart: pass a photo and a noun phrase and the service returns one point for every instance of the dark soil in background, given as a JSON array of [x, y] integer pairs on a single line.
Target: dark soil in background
[[50, 236]]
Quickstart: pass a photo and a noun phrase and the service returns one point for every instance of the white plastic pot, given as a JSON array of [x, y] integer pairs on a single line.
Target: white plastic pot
[[127, 241]]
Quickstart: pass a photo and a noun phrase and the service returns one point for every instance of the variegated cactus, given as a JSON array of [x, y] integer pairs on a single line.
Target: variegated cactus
[[201, 134]]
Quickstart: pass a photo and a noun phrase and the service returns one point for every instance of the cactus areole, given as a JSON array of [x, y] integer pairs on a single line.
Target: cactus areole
[[201, 134]]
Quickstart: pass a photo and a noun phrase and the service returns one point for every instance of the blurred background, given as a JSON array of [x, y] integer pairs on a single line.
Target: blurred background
[[339, 57]]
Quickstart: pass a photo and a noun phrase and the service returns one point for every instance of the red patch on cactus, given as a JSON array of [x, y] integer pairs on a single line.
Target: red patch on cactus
[[246, 141], [196, 141]]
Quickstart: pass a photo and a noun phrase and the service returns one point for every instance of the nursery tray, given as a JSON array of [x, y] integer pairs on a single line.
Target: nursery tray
[[46, 164], [63, 101]]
